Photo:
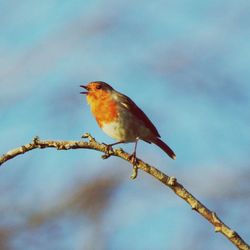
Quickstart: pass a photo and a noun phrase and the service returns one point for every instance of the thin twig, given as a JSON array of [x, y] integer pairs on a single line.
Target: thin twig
[[171, 182]]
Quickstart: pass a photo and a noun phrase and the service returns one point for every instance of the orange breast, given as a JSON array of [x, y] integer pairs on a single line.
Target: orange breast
[[103, 107]]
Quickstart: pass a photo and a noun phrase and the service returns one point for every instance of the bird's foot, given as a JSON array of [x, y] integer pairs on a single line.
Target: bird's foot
[[132, 158], [134, 162], [108, 151]]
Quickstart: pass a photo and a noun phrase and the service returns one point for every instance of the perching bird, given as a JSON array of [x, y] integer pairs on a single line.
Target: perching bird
[[119, 117]]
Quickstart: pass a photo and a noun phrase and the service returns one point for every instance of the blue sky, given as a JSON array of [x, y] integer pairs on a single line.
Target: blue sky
[[185, 63]]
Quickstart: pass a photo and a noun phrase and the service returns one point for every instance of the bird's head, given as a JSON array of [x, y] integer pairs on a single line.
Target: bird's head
[[97, 92], [96, 88]]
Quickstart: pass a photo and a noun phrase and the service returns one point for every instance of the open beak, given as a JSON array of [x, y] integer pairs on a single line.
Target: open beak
[[85, 87]]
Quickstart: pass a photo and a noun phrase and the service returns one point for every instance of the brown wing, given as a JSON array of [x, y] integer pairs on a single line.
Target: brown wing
[[132, 107]]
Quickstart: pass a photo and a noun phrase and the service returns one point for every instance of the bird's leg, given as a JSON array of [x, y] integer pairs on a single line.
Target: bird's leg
[[109, 146], [110, 149], [133, 159]]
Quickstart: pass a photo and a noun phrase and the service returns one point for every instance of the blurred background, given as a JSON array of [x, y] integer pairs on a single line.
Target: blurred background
[[185, 63]]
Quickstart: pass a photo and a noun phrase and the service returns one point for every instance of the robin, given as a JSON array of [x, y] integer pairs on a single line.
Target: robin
[[119, 117]]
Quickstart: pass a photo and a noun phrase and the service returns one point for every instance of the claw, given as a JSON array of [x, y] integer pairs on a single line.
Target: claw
[[109, 148], [109, 151], [133, 159], [105, 156]]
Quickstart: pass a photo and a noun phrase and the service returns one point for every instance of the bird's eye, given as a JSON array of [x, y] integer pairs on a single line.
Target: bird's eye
[[98, 87]]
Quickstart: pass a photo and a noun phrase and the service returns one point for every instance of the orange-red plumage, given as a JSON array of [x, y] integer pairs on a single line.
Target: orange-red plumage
[[102, 106]]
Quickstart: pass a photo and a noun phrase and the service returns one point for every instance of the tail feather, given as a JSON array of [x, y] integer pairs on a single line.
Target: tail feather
[[157, 141]]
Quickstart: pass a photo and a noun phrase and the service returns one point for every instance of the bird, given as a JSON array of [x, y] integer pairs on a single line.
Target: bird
[[120, 118]]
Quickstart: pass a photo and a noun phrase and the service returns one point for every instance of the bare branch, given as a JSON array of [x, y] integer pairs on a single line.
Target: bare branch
[[171, 182]]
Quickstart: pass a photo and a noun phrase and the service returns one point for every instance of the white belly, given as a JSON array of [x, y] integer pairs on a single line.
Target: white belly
[[115, 131], [127, 128]]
